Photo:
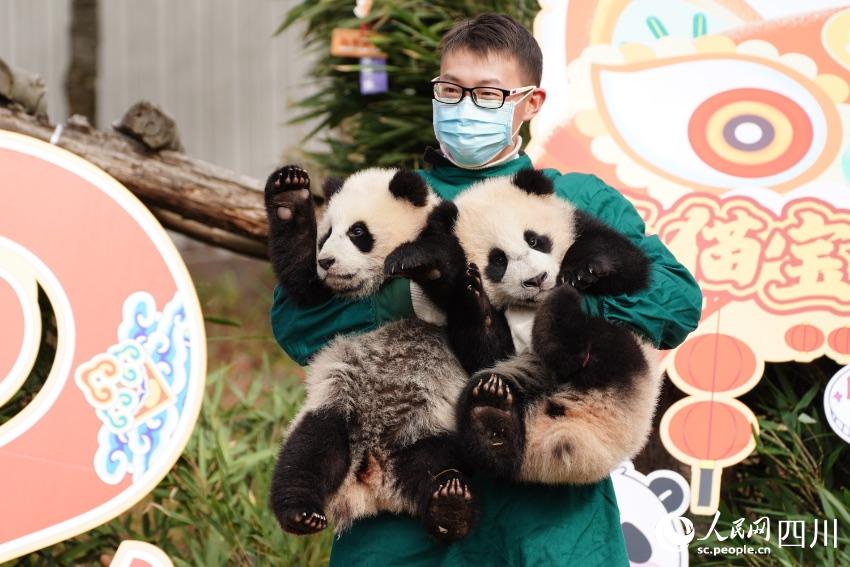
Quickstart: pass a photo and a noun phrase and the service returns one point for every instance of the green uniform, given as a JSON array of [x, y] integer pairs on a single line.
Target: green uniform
[[520, 525]]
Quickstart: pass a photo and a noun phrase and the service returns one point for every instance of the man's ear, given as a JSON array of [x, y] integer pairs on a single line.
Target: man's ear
[[533, 104]]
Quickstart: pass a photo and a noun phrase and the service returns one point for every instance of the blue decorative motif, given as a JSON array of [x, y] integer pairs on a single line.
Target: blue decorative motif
[[145, 384]]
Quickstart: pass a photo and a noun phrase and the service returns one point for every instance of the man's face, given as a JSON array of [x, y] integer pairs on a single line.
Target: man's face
[[472, 70]]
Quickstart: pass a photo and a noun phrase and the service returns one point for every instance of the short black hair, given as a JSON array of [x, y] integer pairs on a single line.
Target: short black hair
[[497, 34]]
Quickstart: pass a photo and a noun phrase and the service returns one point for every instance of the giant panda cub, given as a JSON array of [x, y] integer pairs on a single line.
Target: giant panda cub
[[376, 431], [583, 399]]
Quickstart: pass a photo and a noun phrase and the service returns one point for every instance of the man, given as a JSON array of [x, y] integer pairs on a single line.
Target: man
[[488, 86]]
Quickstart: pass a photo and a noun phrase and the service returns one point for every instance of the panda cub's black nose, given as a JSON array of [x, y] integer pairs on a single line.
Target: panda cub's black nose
[[535, 281], [326, 263]]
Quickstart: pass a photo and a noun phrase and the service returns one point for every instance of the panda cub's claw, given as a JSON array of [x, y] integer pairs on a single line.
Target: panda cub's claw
[[476, 300], [451, 510], [493, 392], [303, 523], [584, 277], [410, 260]]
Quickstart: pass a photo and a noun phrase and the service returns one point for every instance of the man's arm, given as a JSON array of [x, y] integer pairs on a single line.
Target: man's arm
[[302, 331], [669, 307]]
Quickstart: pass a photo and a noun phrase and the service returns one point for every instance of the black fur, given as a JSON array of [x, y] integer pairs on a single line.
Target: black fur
[[311, 465], [539, 242], [490, 425], [360, 236], [292, 242], [497, 264], [478, 334], [584, 351], [602, 261], [427, 475], [409, 185], [331, 186], [533, 182]]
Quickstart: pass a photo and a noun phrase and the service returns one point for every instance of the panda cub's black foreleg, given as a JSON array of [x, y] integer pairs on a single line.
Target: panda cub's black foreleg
[[311, 466], [478, 333], [602, 261], [292, 235], [429, 474]]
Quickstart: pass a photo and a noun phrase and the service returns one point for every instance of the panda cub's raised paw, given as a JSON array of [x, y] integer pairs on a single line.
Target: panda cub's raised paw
[[299, 522], [451, 510], [287, 192]]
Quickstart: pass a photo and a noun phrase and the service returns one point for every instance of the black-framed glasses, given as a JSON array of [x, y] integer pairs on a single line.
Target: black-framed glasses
[[484, 97]]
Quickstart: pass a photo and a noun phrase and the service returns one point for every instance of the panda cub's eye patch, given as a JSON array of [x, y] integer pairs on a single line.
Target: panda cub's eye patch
[[324, 239], [360, 236], [497, 264], [538, 242]]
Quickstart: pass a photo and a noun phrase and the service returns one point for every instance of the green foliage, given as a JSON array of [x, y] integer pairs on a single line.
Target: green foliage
[[799, 471], [393, 128], [211, 509]]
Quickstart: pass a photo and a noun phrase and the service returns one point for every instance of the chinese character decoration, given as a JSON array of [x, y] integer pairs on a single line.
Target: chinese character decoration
[[724, 123]]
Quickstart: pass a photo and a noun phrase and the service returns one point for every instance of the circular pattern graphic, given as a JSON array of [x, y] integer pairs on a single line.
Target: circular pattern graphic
[[836, 403], [125, 385], [750, 132]]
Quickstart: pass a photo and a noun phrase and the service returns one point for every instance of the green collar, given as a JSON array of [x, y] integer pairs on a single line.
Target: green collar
[[448, 180]]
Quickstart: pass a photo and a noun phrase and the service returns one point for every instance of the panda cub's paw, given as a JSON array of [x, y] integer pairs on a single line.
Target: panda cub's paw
[[287, 193], [451, 510], [414, 261], [300, 522], [490, 425], [583, 276], [474, 300]]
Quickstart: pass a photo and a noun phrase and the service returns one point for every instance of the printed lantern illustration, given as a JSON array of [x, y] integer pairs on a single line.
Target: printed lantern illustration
[[711, 430], [725, 123]]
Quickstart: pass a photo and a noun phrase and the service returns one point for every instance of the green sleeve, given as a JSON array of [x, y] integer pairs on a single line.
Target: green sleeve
[[302, 331], [669, 308]]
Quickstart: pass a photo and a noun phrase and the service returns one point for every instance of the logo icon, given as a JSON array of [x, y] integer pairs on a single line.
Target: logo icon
[[675, 532]]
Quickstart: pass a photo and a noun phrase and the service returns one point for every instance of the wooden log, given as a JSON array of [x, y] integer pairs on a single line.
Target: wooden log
[[22, 88], [217, 201]]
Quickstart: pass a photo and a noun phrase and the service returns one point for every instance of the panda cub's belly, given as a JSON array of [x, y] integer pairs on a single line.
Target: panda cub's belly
[[395, 384]]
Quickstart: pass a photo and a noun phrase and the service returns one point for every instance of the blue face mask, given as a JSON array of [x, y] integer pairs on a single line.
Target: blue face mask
[[469, 135]]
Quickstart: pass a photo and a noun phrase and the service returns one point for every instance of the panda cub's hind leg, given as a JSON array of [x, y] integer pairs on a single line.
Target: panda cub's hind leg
[[429, 474], [311, 466], [490, 423]]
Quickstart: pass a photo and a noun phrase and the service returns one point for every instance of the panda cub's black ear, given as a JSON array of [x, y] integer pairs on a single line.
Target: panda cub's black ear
[[331, 186], [533, 181], [406, 184]]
